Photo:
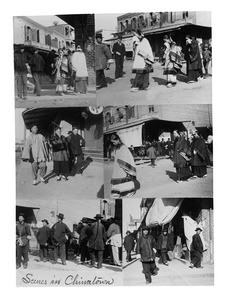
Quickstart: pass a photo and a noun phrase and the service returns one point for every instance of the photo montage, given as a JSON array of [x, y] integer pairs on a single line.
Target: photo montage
[[64, 227], [114, 149], [155, 84]]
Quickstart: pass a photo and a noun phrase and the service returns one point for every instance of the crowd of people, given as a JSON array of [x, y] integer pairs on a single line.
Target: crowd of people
[[145, 247], [197, 56], [91, 242], [65, 152], [65, 68]]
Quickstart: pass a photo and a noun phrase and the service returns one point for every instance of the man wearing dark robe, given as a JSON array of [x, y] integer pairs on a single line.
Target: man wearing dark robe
[[37, 65], [59, 235], [119, 54], [164, 244], [196, 249], [146, 249], [129, 245], [97, 241], [43, 237], [83, 241], [199, 155]]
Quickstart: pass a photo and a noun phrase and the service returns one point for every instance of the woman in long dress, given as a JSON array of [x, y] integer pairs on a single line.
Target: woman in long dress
[[181, 156], [142, 64], [79, 67], [61, 72], [173, 61], [124, 172], [60, 155]]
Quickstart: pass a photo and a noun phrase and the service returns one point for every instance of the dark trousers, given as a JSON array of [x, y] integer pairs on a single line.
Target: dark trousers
[[119, 61], [21, 80], [148, 269], [61, 251], [163, 256], [128, 257], [199, 171], [153, 161], [43, 252], [141, 81], [84, 251], [79, 163], [61, 167], [183, 173], [96, 253], [37, 77], [22, 252], [206, 65], [100, 78], [196, 258], [193, 75]]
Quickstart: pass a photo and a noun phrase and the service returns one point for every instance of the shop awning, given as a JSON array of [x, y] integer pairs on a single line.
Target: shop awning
[[162, 211], [131, 136]]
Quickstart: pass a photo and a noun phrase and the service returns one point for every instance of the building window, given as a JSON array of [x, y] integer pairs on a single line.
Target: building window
[[151, 108], [27, 33], [185, 14], [121, 26], [134, 24], [130, 112], [38, 36], [67, 31]]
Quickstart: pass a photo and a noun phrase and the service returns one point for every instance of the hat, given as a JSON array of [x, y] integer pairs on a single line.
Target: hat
[[44, 220], [61, 216], [119, 36], [22, 215], [198, 228], [128, 232], [165, 230], [99, 35], [98, 216], [84, 220], [145, 228]]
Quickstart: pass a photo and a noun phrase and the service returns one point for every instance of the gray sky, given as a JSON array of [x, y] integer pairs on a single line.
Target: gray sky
[[46, 20], [106, 21]]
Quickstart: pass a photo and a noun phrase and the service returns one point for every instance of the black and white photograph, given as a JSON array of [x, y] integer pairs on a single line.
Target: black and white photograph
[[168, 242], [59, 153], [165, 150], [54, 60], [154, 57], [69, 245]]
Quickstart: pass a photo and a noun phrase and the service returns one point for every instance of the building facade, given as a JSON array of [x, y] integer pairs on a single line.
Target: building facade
[[155, 25]]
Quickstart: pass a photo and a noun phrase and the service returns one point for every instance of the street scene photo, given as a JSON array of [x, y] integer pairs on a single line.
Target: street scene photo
[[168, 242], [160, 150], [54, 60], [154, 57], [59, 153], [83, 239]]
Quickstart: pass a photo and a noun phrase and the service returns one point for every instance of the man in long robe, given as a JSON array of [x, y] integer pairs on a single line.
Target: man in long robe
[[196, 249], [35, 151], [199, 155], [119, 54]]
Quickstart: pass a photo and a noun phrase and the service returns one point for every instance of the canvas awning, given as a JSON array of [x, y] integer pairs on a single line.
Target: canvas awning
[[131, 136]]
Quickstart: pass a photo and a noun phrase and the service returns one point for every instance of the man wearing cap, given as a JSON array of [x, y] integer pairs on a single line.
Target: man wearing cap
[[129, 245], [103, 57], [83, 241], [119, 54], [164, 244], [43, 237], [35, 151], [59, 236], [21, 67], [23, 236], [146, 249], [76, 142], [97, 241], [196, 249]]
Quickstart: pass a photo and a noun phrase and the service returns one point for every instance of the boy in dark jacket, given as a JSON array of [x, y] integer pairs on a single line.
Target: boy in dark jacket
[[43, 237], [129, 245], [146, 249]]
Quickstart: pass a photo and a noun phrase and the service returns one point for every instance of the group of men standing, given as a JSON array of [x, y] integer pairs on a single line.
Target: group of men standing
[[92, 240], [36, 152]]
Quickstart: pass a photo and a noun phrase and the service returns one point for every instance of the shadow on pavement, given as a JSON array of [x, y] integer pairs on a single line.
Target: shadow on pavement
[[110, 80], [159, 81], [172, 175]]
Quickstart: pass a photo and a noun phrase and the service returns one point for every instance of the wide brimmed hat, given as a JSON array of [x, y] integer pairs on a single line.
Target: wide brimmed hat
[[119, 36], [198, 228], [45, 220], [84, 220], [98, 216], [61, 216]]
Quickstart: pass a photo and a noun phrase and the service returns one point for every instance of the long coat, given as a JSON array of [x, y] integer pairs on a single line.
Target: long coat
[[129, 242], [98, 236], [193, 56], [43, 235], [145, 245], [59, 232], [151, 152], [102, 55], [169, 244], [60, 148], [119, 48], [180, 145], [37, 63], [198, 159]]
